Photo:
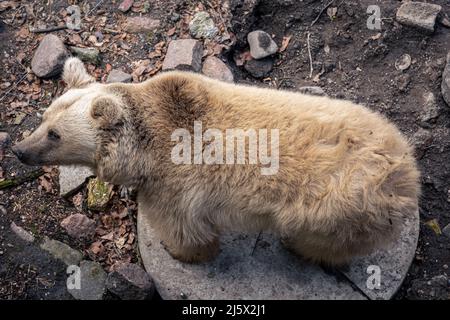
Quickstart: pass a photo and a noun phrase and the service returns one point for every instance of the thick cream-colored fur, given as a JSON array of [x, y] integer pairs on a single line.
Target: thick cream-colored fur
[[346, 182]]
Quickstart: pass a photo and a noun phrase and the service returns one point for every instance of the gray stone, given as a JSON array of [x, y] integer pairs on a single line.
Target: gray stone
[[261, 44], [130, 282], [5, 139], [315, 91], [393, 264], [259, 68], [202, 26], [241, 271], [88, 55], [79, 226], [49, 58], [215, 68], [419, 15], [71, 178], [404, 62], [93, 281], [22, 233], [62, 251], [446, 81], [117, 75], [446, 231], [141, 24], [421, 140], [185, 54], [430, 107]]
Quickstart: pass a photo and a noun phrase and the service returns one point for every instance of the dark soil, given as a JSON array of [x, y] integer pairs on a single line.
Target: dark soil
[[354, 63]]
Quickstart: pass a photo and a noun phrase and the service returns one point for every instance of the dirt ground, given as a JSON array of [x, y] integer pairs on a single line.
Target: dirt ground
[[349, 62]]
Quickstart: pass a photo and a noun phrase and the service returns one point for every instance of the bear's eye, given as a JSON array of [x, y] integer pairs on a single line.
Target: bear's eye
[[53, 135]]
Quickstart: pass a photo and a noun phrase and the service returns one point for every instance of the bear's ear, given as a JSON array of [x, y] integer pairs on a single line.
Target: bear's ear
[[75, 74], [107, 111]]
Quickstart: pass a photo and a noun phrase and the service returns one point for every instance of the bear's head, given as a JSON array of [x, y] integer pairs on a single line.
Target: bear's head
[[68, 133]]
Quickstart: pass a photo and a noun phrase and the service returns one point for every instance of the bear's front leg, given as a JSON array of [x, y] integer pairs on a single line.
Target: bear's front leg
[[192, 253], [187, 237]]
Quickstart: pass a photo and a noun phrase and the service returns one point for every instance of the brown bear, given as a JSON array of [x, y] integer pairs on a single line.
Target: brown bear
[[343, 180]]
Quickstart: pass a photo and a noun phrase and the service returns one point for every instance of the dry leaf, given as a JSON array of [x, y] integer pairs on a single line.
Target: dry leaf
[[332, 12], [171, 32], [96, 247], [434, 225], [242, 58], [109, 236], [285, 43], [45, 182]]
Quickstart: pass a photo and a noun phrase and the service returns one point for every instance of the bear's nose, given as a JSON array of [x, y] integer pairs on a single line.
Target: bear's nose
[[17, 152]]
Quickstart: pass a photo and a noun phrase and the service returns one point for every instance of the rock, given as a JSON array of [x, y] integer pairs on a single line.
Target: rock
[[246, 268], [22, 233], [430, 107], [71, 178], [5, 140], [446, 81], [99, 36], [99, 194], [315, 91], [261, 44], [130, 282], [403, 63], [88, 55], [141, 24], [214, 68], [259, 68], [446, 231], [202, 26], [126, 5], [402, 82], [62, 251], [421, 140], [49, 58], [419, 15], [93, 280], [79, 226], [185, 54], [117, 75]]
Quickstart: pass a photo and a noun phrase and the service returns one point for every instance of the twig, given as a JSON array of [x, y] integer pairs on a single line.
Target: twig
[[15, 85], [49, 29], [310, 56], [321, 12], [256, 242], [22, 179]]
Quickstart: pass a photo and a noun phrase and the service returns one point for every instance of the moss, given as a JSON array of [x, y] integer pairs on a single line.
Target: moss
[[99, 194]]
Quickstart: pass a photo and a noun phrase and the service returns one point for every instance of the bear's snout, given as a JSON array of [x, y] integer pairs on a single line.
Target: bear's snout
[[23, 155]]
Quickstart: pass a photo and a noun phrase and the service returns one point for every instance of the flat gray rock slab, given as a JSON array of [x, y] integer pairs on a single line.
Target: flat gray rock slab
[[391, 265], [270, 272], [72, 177]]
